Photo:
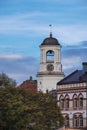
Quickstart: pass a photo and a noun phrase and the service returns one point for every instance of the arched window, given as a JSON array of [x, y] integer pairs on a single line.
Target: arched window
[[75, 121], [50, 55], [75, 102], [80, 121], [67, 121], [62, 102], [80, 100], [67, 101]]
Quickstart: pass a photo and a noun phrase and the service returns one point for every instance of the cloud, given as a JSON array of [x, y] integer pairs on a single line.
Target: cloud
[[71, 34], [73, 56], [73, 61], [69, 21], [18, 67], [71, 64], [72, 50], [10, 57], [22, 25], [68, 27]]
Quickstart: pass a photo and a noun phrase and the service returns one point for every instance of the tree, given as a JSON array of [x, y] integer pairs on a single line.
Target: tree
[[6, 81], [12, 109], [20, 110], [46, 114]]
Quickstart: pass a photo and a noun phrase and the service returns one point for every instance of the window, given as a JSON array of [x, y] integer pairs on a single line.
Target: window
[[80, 101], [67, 101], [50, 55], [62, 102], [75, 101], [67, 121], [80, 121], [75, 121]]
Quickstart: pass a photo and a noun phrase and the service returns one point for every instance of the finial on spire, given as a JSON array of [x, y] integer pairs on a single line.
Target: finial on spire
[[50, 30]]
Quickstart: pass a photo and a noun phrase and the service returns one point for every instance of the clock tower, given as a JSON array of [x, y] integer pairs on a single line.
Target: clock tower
[[50, 64]]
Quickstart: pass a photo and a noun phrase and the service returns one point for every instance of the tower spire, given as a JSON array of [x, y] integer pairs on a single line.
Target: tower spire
[[50, 30]]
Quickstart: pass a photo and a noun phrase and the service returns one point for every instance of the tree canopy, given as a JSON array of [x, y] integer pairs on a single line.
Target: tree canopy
[[21, 110], [6, 81]]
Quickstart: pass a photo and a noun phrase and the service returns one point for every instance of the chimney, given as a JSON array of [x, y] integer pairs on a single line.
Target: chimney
[[84, 67], [30, 78]]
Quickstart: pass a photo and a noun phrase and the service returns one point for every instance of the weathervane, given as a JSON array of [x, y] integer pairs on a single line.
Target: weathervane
[[50, 30]]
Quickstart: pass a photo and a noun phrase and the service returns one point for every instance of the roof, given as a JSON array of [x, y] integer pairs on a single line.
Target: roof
[[78, 76], [29, 85], [50, 41]]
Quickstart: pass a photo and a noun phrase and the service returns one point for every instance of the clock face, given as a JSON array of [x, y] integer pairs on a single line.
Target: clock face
[[50, 67]]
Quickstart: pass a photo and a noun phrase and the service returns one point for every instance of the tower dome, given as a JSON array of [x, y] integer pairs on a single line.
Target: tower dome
[[50, 41]]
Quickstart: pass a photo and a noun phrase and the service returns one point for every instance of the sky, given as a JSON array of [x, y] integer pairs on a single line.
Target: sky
[[24, 24]]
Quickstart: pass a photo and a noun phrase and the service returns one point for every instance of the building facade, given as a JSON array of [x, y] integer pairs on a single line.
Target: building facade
[[50, 64], [72, 99]]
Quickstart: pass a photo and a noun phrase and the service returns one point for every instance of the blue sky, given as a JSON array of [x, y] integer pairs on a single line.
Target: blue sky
[[24, 24]]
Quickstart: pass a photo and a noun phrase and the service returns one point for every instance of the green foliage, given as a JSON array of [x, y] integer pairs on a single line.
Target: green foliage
[[20, 110], [6, 81], [11, 108]]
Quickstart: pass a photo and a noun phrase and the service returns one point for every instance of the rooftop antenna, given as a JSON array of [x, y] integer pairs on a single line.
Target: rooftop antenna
[[50, 30]]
